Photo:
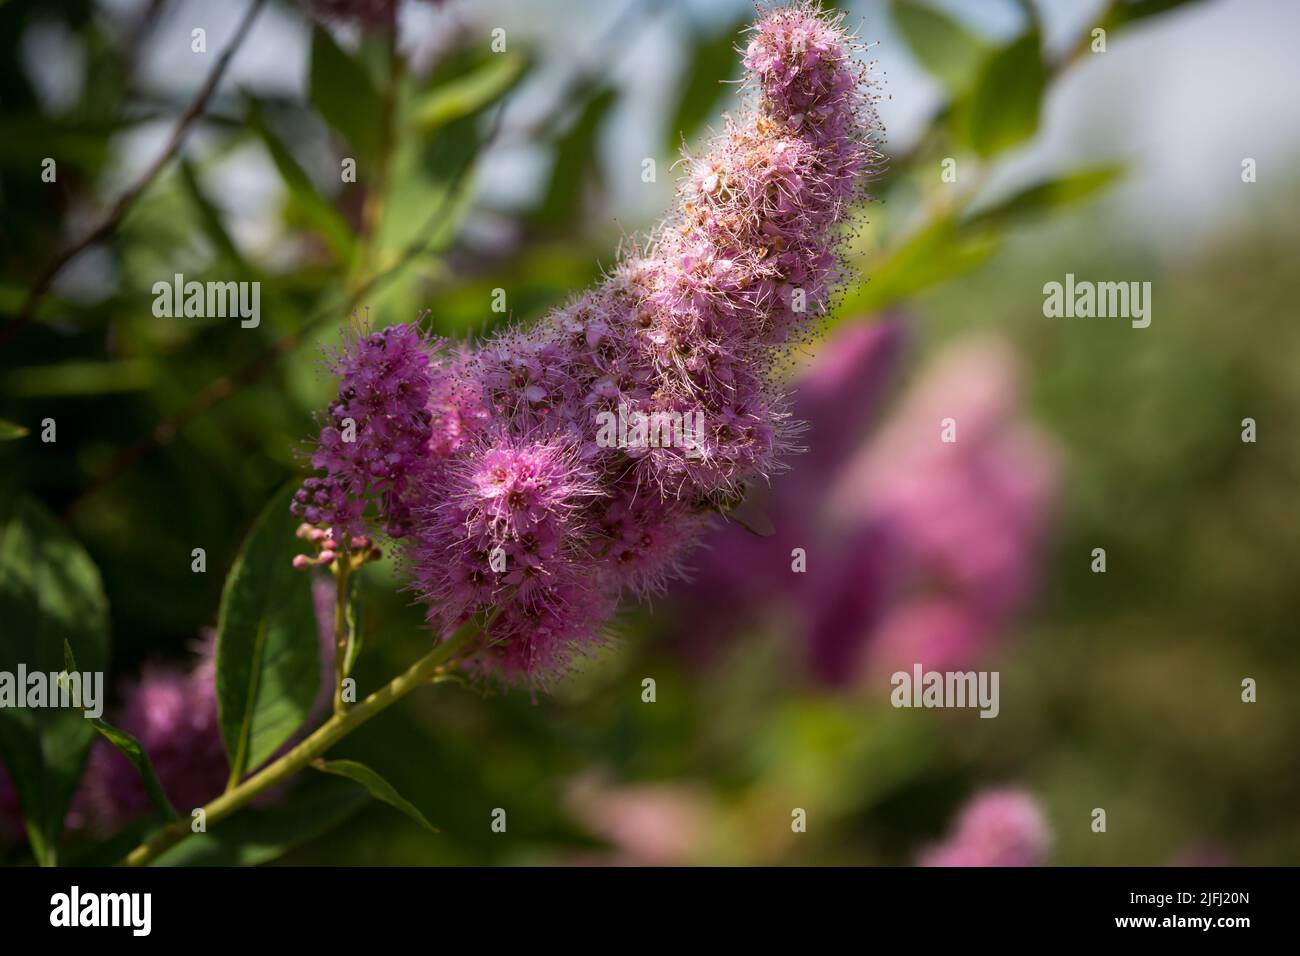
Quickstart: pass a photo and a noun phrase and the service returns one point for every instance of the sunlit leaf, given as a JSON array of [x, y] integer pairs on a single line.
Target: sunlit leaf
[[936, 253], [268, 650], [1045, 197], [470, 93], [948, 50], [1123, 12], [1003, 105]]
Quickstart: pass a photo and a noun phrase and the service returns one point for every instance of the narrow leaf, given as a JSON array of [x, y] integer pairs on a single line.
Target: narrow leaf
[[574, 169], [379, 788], [949, 51], [712, 61], [469, 94], [1123, 12], [77, 377], [128, 745], [1045, 197], [932, 255], [134, 752], [1003, 105], [319, 213], [11, 430], [344, 95], [210, 216], [751, 517]]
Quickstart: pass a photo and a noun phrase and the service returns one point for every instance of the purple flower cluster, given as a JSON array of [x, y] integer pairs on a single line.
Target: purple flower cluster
[[916, 549], [489, 463], [377, 432], [996, 828]]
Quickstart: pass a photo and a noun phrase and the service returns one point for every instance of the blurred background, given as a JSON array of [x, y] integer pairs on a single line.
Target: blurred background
[[1019, 151]]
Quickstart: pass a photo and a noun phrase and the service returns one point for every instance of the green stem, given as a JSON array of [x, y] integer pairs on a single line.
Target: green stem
[[342, 633], [437, 663]]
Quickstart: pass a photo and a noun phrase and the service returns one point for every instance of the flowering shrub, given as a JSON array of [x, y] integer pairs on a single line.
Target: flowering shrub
[[486, 459], [519, 528], [523, 528]]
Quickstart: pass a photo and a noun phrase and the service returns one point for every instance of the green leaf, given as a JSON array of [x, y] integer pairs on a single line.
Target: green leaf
[[933, 255], [712, 61], [29, 139], [268, 649], [1045, 197], [1123, 12], [134, 752], [210, 216], [50, 594], [258, 835], [948, 50], [574, 168], [427, 179], [344, 95], [81, 378], [128, 745], [9, 431], [1003, 105], [318, 212], [379, 788], [470, 93]]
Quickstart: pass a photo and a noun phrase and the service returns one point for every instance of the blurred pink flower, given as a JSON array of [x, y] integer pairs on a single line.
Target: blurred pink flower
[[838, 397], [996, 828], [922, 550], [647, 824]]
